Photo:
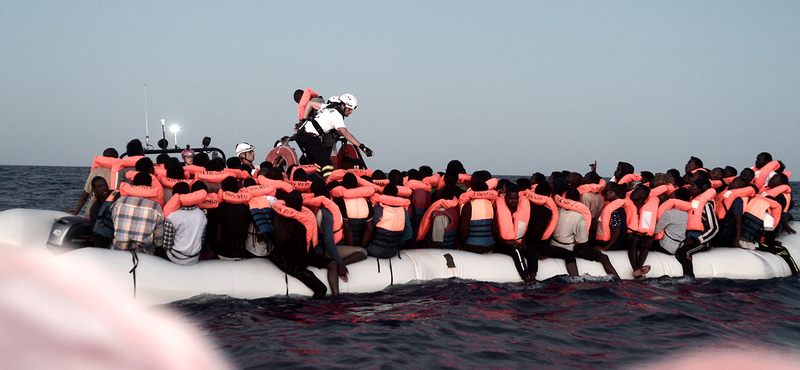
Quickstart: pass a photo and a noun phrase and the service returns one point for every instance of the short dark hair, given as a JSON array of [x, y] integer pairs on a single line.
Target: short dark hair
[[294, 200], [199, 185], [181, 188], [234, 162], [143, 178], [134, 147], [230, 184], [683, 194], [390, 189], [96, 179], [144, 165], [110, 152]]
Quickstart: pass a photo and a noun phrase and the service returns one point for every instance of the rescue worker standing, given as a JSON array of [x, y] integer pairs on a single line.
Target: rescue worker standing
[[318, 135]]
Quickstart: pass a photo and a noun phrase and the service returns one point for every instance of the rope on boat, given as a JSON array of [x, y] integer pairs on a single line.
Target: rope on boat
[[135, 260]]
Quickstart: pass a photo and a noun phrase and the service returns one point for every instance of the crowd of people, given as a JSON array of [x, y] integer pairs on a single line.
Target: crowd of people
[[315, 215]]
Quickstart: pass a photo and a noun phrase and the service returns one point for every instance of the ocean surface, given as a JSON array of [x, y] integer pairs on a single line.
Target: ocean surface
[[558, 323]]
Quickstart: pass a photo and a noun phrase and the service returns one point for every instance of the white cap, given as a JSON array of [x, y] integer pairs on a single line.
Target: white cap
[[349, 101], [243, 148]]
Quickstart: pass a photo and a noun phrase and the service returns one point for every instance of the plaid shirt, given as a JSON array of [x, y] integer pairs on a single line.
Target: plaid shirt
[[138, 224]]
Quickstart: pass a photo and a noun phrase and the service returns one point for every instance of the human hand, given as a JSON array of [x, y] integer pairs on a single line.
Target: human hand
[[366, 150], [593, 166]]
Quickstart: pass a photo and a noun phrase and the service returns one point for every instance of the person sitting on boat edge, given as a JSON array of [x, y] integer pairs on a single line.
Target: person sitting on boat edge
[[293, 252], [101, 192], [477, 217], [510, 227], [184, 231], [229, 222], [392, 224], [702, 226], [138, 222], [314, 136], [550, 248], [783, 198], [731, 212], [101, 171], [442, 221], [673, 223]]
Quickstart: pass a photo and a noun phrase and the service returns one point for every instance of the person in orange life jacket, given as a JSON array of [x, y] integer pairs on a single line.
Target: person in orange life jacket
[[292, 253], [638, 243], [313, 105], [526, 260], [754, 235], [138, 222], [184, 232], [693, 165], [675, 177], [624, 168], [617, 221], [523, 184], [444, 224], [673, 224], [329, 119], [748, 174], [698, 240], [392, 225], [87, 188], [730, 227], [357, 230], [475, 235], [785, 201], [570, 229], [593, 201], [230, 222], [341, 254], [450, 182], [420, 201], [132, 149]]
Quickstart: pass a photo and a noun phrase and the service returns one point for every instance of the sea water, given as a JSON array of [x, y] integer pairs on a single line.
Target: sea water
[[558, 323]]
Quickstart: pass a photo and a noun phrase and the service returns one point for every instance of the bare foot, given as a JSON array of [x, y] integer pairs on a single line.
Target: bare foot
[[640, 272]]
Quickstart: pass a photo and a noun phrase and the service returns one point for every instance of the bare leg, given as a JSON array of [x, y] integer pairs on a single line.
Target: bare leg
[[643, 250], [633, 244], [333, 277], [608, 266], [572, 269], [353, 258]]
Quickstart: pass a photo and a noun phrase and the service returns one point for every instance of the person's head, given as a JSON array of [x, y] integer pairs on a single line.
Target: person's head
[[248, 182], [762, 159], [390, 189], [777, 180], [265, 165], [572, 194], [396, 177], [674, 175], [350, 181], [523, 183], [294, 200], [188, 156], [346, 163], [682, 194], [699, 186], [455, 165], [748, 174], [730, 171], [211, 165], [100, 187], [591, 177], [200, 159], [245, 152], [575, 179], [299, 175], [717, 173], [560, 186], [298, 94], [478, 185], [543, 188], [447, 192], [181, 188], [230, 184], [162, 158], [176, 172], [110, 152], [501, 186], [319, 189], [145, 165], [693, 164], [378, 175], [142, 178], [512, 196], [233, 162], [659, 179], [349, 104], [275, 173], [623, 168], [699, 175], [538, 178], [246, 168], [450, 178], [414, 174], [613, 192], [134, 147], [738, 183], [640, 194], [647, 177], [199, 185], [425, 171]]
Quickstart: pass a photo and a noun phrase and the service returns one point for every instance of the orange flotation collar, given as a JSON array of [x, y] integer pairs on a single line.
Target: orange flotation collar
[[184, 200], [592, 188], [630, 177], [212, 176], [308, 94], [724, 200], [322, 201], [301, 186], [575, 206], [305, 216], [275, 184], [550, 204], [259, 190], [512, 227], [425, 224], [103, 161], [118, 165], [696, 211], [154, 193], [604, 226], [642, 220], [241, 197]]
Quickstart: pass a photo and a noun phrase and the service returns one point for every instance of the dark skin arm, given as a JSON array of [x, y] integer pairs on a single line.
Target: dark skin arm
[[81, 202], [498, 239], [369, 228], [615, 232], [463, 223], [347, 232]]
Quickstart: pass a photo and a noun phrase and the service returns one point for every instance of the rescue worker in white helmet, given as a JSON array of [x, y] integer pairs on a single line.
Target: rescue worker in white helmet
[[318, 135], [246, 154]]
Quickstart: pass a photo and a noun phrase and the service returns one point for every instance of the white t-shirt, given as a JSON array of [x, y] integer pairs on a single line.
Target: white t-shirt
[[328, 119], [570, 230]]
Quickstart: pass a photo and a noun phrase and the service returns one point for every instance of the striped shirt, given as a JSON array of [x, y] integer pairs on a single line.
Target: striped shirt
[[138, 224]]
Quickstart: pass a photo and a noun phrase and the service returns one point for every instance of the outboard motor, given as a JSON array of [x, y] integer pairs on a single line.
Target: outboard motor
[[70, 232]]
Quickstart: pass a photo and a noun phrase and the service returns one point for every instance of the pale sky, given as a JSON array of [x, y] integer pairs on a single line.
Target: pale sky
[[513, 87]]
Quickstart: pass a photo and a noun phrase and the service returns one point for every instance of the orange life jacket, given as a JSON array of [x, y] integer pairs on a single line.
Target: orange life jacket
[[630, 177], [761, 207], [169, 183], [237, 174], [301, 186], [427, 218], [118, 165], [103, 161], [212, 176], [642, 220], [723, 201], [592, 188], [326, 202], [670, 204], [275, 184], [259, 190], [192, 169], [550, 204], [604, 222], [513, 227], [763, 173], [212, 201], [154, 193], [463, 178], [433, 180], [778, 190], [696, 212], [355, 200], [338, 175], [305, 216], [184, 200], [301, 106], [575, 206], [241, 197]]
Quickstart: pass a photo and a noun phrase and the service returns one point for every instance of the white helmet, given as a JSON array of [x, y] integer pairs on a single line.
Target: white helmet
[[334, 99], [349, 101], [243, 148]]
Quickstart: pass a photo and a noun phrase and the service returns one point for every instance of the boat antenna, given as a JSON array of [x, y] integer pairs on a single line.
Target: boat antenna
[[146, 129]]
